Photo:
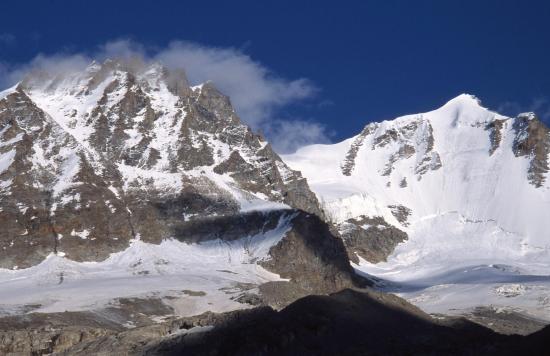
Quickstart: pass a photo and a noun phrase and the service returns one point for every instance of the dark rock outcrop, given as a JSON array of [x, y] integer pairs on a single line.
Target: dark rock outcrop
[[401, 213], [401, 141], [314, 260], [370, 238], [533, 140], [495, 134], [349, 163]]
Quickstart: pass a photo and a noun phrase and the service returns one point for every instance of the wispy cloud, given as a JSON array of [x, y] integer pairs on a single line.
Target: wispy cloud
[[538, 105], [254, 90], [257, 93], [289, 135]]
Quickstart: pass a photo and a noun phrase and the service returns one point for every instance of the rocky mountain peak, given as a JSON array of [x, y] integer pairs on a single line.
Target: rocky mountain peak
[[123, 150]]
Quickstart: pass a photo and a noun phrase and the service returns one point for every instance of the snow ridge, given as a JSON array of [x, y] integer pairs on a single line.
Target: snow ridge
[[475, 184]]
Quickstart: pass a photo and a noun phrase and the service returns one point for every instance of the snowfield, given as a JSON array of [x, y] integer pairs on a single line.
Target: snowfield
[[477, 226], [458, 289], [214, 268]]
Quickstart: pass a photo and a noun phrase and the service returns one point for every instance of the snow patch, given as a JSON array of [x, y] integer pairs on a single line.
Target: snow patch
[[6, 160], [82, 234]]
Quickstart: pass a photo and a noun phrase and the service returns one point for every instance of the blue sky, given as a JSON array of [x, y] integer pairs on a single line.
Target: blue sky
[[331, 67]]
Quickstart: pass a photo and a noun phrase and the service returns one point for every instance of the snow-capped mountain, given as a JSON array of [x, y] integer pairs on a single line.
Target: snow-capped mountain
[[425, 194], [121, 180], [123, 172], [91, 160]]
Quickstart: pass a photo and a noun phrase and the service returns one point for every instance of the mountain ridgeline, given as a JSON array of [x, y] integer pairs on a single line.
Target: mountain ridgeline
[[124, 151]]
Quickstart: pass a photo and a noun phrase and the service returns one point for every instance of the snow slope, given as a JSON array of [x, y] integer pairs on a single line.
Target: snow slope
[[144, 270], [471, 200]]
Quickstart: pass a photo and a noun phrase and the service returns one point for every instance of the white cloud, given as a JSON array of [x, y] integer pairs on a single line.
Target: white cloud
[[253, 89], [287, 136], [256, 92], [121, 48], [55, 64]]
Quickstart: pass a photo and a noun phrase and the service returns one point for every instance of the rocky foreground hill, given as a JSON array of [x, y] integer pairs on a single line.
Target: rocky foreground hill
[[350, 322]]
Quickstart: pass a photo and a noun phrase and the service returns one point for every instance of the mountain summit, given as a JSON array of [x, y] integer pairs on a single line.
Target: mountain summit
[[420, 196], [123, 150]]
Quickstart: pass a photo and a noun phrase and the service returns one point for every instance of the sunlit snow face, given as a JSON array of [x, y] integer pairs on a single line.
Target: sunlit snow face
[[477, 209]]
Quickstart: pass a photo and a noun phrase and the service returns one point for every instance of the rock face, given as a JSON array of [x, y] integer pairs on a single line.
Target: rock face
[[533, 140], [312, 255], [42, 341], [413, 139], [370, 238], [313, 258], [124, 150]]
